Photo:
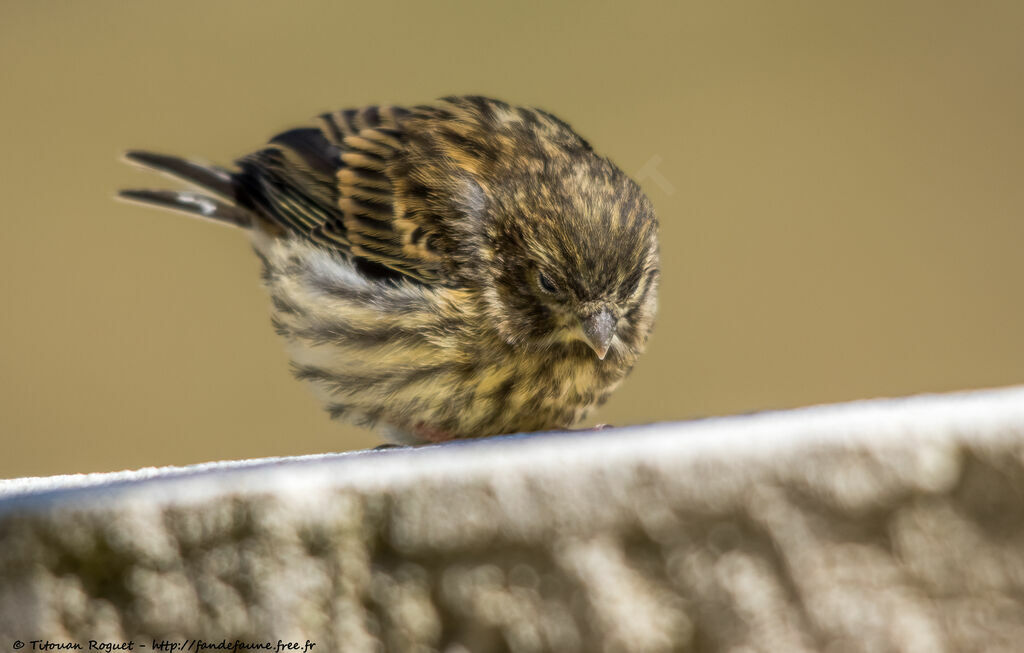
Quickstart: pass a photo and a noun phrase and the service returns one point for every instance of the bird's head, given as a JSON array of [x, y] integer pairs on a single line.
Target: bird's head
[[561, 242], [573, 259]]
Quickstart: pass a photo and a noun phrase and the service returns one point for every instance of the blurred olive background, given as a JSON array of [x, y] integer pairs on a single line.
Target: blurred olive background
[[839, 186]]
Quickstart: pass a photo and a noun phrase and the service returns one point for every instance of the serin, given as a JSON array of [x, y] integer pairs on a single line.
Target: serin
[[458, 269]]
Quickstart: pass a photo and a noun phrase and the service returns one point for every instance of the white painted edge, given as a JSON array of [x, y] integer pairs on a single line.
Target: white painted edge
[[983, 415]]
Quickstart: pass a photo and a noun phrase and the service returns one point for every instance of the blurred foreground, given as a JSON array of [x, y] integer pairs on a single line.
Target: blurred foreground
[[874, 526]]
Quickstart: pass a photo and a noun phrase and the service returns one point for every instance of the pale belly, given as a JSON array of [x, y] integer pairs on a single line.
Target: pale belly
[[419, 363], [411, 400]]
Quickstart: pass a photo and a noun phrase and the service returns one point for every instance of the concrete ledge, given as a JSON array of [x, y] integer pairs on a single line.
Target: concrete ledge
[[891, 525]]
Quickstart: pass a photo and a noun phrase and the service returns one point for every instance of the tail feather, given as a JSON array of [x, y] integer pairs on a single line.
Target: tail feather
[[211, 178], [191, 203], [206, 177]]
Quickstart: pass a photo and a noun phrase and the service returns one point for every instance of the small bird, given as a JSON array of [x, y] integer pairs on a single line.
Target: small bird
[[457, 269]]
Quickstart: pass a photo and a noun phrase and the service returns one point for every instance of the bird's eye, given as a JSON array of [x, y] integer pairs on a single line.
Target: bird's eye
[[546, 284]]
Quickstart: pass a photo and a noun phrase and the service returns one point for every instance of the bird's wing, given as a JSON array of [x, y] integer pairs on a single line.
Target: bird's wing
[[333, 184]]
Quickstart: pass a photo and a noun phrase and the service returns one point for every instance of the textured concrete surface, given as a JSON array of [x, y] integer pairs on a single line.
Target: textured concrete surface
[[875, 526]]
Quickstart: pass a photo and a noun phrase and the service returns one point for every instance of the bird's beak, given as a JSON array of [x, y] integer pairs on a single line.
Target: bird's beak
[[599, 329]]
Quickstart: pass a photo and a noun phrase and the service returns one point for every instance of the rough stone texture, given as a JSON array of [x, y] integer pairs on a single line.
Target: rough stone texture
[[873, 526]]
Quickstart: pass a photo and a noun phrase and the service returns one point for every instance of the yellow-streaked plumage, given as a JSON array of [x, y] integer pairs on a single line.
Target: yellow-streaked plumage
[[460, 269]]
